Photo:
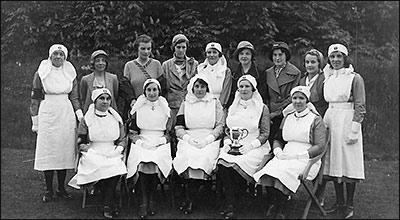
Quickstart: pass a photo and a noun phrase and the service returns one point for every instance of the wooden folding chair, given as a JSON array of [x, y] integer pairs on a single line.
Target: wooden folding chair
[[314, 183]]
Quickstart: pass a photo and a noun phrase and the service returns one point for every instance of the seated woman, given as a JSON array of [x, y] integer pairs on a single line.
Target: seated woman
[[301, 136], [200, 122], [248, 112], [101, 140], [149, 159]]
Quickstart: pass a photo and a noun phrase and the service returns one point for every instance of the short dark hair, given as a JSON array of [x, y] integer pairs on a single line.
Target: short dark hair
[[147, 85], [202, 82], [347, 61]]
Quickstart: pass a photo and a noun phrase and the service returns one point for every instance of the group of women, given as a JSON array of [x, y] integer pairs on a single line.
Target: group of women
[[182, 118]]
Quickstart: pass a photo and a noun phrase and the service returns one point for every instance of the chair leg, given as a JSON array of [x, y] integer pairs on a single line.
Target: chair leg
[[85, 191], [314, 199]]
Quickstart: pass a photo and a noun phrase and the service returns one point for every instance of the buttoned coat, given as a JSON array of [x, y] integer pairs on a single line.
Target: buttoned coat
[[175, 85], [279, 88], [86, 89]]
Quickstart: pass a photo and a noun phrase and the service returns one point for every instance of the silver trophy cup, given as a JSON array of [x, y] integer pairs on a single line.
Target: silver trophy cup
[[236, 134]]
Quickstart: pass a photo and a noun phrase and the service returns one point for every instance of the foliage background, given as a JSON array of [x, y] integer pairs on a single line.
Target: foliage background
[[370, 29]]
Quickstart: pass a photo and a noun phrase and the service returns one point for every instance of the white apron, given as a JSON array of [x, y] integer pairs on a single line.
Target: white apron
[[95, 164], [296, 133], [200, 121], [252, 160], [342, 159], [152, 124], [55, 145]]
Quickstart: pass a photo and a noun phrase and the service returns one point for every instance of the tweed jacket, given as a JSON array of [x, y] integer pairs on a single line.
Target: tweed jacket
[[176, 85], [86, 89], [279, 88], [317, 92]]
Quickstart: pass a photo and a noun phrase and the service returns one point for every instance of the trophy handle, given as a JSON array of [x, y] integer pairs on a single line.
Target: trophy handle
[[246, 132]]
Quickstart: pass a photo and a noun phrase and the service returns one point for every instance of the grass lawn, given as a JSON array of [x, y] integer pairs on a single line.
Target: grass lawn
[[21, 190]]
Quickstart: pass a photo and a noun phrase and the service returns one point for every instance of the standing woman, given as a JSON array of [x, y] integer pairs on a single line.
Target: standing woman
[[236, 171], [314, 79], [177, 72], [245, 55], [345, 91], [281, 78], [54, 104], [143, 67], [99, 78], [101, 140], [200, 122], [149, 160], [216, 70]]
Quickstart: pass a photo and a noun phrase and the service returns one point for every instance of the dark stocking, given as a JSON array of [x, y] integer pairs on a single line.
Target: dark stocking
[[61, 174], [109, 186], [152, 185], [48, 176], [142, 184], [339, 193], [350, 189]]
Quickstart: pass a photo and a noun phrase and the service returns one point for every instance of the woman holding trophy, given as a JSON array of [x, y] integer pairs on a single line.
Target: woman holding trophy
[[245, 145], [200, 122]]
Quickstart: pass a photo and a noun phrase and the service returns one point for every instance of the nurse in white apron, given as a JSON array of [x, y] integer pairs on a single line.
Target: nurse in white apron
[[301, 136], [236, 171], [344, 90], [54, 109], [101, 140], [199, 124], [149, 159]]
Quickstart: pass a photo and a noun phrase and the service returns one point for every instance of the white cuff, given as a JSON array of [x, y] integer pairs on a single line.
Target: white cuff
[[162, 140], [186, 137], [227, 141], [256, 143], [35, 120], [139, 142], [277, 150], [355, 127], [79, 114], [303, 155], [210, 138], [120, 148]]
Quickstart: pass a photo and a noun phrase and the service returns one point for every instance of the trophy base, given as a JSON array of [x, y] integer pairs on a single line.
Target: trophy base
[[234, 151]]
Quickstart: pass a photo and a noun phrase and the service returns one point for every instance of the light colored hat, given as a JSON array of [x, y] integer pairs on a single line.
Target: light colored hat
[[148, 81], [176, 38], [97, 92], [303, 89], [97, 53], [214, 45], [58, 47], [244, 45], [338, 47], [250, 78]]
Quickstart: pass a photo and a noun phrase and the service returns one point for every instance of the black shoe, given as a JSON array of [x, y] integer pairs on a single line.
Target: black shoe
[[224, 209], [335, 208], [230, 214], [143, 211], [63, 194], [189, 208], [349, 212], [48, 196], [107, 212], [152, 208]]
